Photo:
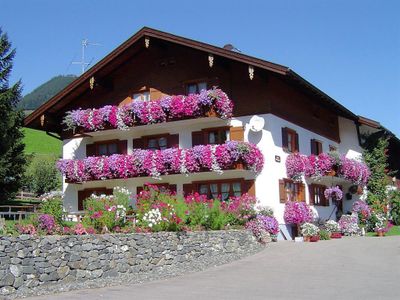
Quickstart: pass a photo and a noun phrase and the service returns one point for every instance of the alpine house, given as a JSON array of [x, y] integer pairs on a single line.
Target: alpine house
[[192, 117]]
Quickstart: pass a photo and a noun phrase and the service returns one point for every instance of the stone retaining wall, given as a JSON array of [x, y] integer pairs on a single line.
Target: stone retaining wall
[[37, 265]]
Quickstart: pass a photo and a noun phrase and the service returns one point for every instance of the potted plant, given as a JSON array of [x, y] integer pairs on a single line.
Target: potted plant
[[309, 230], [381, 225], [333, 228], [297, 213]]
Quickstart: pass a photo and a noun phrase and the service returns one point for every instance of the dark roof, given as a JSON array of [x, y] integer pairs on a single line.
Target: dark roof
[[218, 51]]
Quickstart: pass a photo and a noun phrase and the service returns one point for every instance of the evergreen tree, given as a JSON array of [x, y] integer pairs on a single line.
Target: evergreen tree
[[12, 158], [376, 158]]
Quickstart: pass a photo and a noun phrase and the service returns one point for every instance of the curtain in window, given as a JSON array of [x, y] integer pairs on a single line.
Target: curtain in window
[[225, 191], [214, 190]]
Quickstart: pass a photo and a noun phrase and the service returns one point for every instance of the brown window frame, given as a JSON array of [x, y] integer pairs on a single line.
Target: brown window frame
[[316, 147], [322, 201], [293, 146], [196, 186], [220, 131], [147, 138], [295, 196]]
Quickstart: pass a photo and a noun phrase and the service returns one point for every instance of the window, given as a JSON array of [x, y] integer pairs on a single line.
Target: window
[[316, 147], [317, 196], [220, 189], [290, 140], [106, 148], [290, 190], [144, 96], [212, 136], [86, 193], [157, 143], [195, 87]]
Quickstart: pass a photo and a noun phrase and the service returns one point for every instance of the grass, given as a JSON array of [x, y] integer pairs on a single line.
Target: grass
[[395, 230], [39, 143]]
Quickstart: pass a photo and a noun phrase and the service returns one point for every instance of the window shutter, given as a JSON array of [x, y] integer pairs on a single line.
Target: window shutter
[[90, 150], [311, 189], [173, 141], [197, 138], [282, 192], [314, 147], [188, 188], [236, 133], [297, 149], [138, 143], [302, 193], [250, 187], [123, 147], [285, 145]]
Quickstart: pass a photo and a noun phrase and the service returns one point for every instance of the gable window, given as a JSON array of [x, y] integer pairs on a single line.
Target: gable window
[[290, 190], [316, 147], [106, 148], [143, 96], [195, 87], [290, 140], [317, 196]]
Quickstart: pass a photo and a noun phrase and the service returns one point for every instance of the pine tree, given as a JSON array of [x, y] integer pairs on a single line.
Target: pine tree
[[12, 158], [376, 159]]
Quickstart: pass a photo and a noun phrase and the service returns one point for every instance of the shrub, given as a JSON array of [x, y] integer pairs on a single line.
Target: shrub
[[362, 210], [394, 202], [52, 204], [324, 235]]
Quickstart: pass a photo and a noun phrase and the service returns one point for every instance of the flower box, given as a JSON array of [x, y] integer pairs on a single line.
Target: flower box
[[143, 163], [314, 238]]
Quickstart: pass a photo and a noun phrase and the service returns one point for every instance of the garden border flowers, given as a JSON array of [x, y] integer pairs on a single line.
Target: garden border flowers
[[324, 164], [141, 112], [163, 162]]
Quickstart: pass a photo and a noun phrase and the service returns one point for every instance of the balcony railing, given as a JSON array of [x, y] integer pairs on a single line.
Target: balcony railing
[[141, 163], [213, 102], [327, 164]]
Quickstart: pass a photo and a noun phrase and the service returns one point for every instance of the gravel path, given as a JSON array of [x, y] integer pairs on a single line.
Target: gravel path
[[350, 268]]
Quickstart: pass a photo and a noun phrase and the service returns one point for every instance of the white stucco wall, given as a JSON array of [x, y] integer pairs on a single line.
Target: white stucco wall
[[269, 140]]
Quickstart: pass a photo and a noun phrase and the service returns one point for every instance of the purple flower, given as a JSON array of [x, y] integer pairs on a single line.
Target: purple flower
[[297, 213]]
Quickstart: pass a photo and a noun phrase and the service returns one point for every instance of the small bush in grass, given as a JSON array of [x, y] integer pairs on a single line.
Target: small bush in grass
[[52, 204]]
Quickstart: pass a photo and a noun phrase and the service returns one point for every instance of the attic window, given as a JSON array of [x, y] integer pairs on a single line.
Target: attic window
[[195, 87]]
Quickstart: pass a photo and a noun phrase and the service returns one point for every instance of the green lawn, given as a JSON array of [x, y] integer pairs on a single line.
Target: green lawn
[[40, 143], [395, 230]]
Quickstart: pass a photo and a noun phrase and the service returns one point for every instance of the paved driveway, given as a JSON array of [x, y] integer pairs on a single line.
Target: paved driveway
[[351, 268]]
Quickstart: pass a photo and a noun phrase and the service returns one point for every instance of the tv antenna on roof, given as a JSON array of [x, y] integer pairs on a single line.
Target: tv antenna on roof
[[83, 63]]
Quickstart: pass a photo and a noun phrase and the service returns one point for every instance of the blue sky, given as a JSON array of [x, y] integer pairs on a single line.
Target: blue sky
[[348, 49]]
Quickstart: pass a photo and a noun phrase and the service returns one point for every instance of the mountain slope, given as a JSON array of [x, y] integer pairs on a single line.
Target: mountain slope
[[45, 91]]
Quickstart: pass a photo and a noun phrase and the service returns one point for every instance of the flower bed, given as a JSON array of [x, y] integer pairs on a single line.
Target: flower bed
[[149, 112], [163, 162], [298, 165]]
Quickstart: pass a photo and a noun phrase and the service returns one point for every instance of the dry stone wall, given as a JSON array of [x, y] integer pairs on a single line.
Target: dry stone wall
[[32, 265]]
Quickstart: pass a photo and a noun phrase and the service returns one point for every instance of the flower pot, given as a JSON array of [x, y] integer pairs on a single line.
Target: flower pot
[[331, 173], [336, 235], [380, 234], [314, 238], [307, 239]]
